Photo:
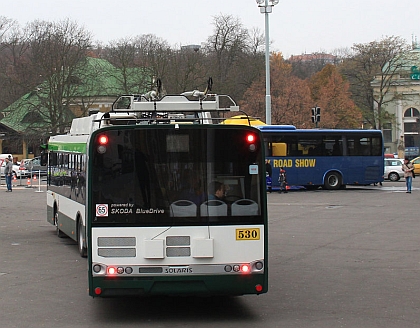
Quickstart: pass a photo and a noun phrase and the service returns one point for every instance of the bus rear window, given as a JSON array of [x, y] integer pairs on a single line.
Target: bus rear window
[[190, 176]]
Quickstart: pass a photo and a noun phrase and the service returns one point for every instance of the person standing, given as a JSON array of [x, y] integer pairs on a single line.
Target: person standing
[[408, 169], [282, 180], [8, 171]]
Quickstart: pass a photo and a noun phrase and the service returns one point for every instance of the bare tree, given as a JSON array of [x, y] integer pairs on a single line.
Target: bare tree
[[187, 70], [15, 76], [57, 53], [125, 54], [380, 60], [234, 55]]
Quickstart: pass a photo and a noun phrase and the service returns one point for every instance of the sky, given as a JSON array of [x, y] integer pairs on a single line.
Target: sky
[[295, 27]]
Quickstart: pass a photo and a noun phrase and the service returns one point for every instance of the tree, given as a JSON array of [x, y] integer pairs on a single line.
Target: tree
[[15, 73], [233, 55], [331, 93], [57, 51], [290, 96], [381, 59], [154, 54], [187, 70], [125, 54], [306, 65]]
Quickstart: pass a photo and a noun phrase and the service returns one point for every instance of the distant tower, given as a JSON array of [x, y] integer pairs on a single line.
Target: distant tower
[[414, 43]]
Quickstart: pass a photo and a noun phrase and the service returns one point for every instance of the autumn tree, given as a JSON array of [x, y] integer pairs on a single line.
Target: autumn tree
[[290, 96], [330, 92], [380, 59], [305, 66]]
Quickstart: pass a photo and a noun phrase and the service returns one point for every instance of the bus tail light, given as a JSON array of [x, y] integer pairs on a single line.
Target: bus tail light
[[103, 142], [245, 268], [103, 139], [98, 291], [111, 270], [251, 139], [258, 288]]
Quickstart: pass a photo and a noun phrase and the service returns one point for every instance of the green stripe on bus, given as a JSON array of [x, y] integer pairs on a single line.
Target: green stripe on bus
[[75, 147]]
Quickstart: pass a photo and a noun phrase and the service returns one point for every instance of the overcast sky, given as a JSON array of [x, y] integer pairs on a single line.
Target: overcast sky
[[296, 27]]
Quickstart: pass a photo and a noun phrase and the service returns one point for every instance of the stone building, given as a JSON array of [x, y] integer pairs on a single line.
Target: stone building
[[402, 105]]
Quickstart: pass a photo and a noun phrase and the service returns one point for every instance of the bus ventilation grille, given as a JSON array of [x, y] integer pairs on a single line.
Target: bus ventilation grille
[[178, 246]]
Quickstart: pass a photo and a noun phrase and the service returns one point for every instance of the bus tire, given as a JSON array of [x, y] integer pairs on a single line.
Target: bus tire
[[333, 181], [60, 234], [81, 240]]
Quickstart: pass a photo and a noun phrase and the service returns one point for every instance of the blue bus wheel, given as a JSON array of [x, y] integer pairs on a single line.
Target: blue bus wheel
[[333, 181]]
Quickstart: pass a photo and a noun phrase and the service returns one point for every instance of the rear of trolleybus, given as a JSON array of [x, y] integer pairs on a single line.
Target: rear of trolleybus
[[176, 209]]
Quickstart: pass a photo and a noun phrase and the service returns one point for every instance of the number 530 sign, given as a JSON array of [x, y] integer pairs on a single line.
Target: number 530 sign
[[248, 234]]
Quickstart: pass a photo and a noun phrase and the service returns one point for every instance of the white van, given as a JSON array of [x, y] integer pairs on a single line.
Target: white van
[[3, 156]]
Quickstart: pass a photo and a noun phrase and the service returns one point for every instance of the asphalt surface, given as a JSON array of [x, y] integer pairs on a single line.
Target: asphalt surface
[[347, 258]]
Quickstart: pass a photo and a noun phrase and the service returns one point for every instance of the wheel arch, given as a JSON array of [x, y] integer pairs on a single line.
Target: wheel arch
[[80, 218], [332, 171]]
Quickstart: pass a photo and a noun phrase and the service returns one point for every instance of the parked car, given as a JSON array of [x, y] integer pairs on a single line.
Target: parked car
[[33, 165], [416, 163], [390, 155], [17, 170], [393, 169]]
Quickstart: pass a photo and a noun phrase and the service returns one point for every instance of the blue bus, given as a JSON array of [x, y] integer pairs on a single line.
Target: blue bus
[[324, 157]]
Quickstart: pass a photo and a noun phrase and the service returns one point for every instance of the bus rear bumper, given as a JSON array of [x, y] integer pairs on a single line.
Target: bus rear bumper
[[179, 286]]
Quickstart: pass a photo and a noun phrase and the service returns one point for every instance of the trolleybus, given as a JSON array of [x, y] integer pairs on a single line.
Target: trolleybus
[[135, 188], [324, 157]]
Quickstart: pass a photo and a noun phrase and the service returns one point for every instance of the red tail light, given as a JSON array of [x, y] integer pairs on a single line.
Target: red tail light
[[250, 137], [103, 139]]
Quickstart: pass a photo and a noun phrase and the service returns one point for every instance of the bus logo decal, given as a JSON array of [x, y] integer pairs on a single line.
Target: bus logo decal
[[178, 270], [101, 209]]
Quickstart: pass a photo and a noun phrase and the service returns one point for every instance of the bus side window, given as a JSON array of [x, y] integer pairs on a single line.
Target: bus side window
[[279, 149], [53, 159]]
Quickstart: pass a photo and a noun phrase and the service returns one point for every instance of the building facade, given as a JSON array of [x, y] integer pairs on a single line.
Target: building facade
[[401, 106]]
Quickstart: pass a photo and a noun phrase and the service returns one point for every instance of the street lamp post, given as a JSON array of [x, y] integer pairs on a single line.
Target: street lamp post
[[266, 7]]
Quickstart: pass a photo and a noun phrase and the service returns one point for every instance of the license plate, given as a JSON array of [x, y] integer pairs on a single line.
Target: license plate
[[248, 234]]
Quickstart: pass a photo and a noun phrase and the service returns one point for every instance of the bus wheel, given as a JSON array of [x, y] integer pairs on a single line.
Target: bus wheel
[[333, 181], [60, 234], [80, 240]]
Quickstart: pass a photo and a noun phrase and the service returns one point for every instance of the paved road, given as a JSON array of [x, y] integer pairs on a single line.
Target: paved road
[[347, 258]]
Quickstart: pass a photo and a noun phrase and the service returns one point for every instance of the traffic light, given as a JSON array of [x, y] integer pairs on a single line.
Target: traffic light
[[316, 114]]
